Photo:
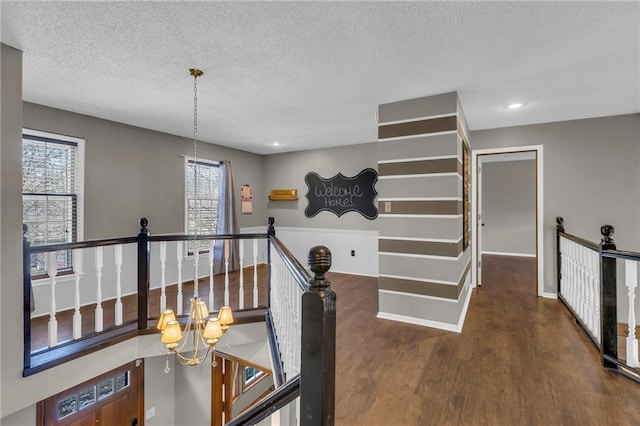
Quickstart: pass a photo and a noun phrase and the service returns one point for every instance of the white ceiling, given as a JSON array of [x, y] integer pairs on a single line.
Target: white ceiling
[[311, 74]]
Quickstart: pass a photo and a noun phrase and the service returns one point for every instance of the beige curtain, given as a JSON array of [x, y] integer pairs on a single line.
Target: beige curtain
[[227, 220]]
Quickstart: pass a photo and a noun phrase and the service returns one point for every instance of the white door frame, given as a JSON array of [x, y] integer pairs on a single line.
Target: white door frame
[[539, 208]]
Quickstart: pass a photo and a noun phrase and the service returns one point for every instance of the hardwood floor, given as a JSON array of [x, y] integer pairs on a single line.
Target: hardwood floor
[[520, 360]]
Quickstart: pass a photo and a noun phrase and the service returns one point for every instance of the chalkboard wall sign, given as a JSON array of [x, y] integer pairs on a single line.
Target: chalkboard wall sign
[[340, 194]]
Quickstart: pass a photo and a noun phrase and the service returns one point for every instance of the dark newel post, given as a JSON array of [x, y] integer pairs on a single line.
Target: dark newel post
[[27, 297], [271, 232], [559, 229], [608, 307], [143, 273], [318, 362]]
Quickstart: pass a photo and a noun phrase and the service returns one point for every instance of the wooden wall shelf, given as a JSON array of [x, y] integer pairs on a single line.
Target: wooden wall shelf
[[283, 195]]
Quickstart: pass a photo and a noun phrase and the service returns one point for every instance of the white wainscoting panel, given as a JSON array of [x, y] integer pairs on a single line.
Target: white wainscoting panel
[[340, 242]]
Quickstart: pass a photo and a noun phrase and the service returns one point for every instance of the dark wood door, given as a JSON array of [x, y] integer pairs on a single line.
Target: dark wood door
[[112, 399]]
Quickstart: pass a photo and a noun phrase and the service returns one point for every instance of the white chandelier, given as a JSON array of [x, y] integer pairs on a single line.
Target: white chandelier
[[201, 331]]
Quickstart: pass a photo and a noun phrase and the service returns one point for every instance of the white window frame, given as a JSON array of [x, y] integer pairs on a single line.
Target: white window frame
[[80, 157], [188, 159]]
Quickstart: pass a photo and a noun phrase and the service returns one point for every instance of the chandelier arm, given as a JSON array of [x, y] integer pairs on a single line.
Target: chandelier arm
[[194, 359], [185, 338]]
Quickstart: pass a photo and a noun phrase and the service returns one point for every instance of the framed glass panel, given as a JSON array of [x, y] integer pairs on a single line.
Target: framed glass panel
[[122, 380], [67, 406], [105, 388], [87, 397]]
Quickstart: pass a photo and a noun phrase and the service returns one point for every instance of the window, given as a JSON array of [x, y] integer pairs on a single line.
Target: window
[[51, 194], [245, 377], [202, 206], [251, 374]]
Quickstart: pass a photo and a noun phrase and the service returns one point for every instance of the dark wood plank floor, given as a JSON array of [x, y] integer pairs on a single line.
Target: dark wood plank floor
[[520, 360]]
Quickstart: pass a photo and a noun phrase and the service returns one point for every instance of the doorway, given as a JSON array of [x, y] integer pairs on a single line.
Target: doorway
[[498, 234], [113, 398]]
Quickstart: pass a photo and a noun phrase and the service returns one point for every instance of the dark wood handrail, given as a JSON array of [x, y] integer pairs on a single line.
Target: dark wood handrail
[[82, 244], [205, 237], [269, 404], [585, 243], [301, 275], [45, 248], [278, 372], [621, 254]]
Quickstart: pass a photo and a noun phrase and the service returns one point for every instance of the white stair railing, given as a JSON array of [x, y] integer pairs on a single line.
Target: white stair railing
[[109, 279], [631, 281], [285, 298], [580, 283]]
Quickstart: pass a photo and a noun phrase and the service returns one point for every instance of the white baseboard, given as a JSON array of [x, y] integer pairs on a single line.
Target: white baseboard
[[456, 328], [463, 314], [418, 321], [548, 295], [502, 253]]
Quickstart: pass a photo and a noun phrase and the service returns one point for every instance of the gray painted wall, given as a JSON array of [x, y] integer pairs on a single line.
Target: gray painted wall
[[287, 170], [193, 395], [131, 172], [10, 223], [408, 276], [159, 390], [590, 177], [509, 206]]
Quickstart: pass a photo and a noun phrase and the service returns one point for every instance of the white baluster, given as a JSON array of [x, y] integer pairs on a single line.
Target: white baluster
[[241, 278], [569, 274], [587, 286], [631, 280], [118, 255], [99, 314], [226, 272], [212, 247], [590, 291], [595, 283], [52, 270], [77, 316], [179, 256], [579, 287], [563, 267], [163, 277], [570, 281], [582, 284], [255, 273]]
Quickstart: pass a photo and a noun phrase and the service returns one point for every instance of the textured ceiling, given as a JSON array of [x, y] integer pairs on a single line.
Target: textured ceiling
[[311, 74]]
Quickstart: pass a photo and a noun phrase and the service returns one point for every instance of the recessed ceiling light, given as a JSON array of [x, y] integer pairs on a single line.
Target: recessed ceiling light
[[276, 143], [514, 105]]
